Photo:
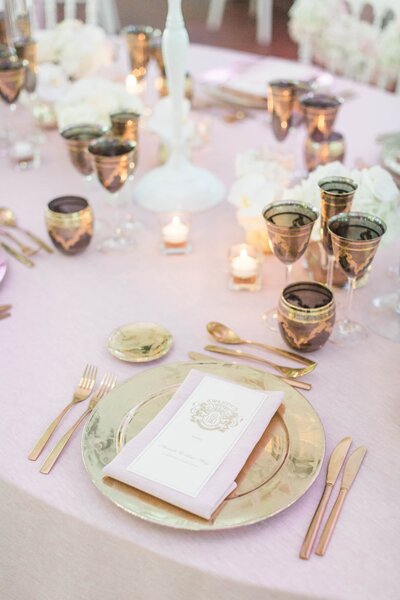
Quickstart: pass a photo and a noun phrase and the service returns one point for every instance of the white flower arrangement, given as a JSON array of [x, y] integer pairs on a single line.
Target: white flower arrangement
[[346, 44], [92, 100], [80, 49], [261, 178], [376, 194]]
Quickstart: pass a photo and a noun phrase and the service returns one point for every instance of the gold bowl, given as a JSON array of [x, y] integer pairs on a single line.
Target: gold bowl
[[69, 221], [306, 315]]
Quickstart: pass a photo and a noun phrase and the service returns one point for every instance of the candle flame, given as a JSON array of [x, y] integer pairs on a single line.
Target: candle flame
[[131, 84], [176, 220], [243, 252]]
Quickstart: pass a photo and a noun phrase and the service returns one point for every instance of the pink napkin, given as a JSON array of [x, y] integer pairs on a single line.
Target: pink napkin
[[222, 481]]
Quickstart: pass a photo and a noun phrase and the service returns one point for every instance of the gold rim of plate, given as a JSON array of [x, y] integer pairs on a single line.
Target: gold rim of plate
[[139, 342], [281, 468]]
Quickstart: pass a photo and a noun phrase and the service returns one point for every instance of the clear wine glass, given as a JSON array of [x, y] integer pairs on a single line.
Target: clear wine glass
[[289, 225], [384, 315], [355, 240]]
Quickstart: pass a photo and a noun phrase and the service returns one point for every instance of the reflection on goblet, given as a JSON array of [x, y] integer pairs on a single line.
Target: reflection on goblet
[[78, 138], [355, 240], [138, 41], [337, 195], [289, 225], [114, 160]]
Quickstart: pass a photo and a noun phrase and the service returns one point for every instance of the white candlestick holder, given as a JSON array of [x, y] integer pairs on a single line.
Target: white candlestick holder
[[178, 184]]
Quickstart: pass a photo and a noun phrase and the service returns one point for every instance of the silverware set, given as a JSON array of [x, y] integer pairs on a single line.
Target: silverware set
[[15, 245], [82, 392], [350, 472], [225, 335]]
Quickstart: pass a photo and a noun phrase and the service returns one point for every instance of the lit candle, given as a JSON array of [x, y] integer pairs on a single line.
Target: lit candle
[[132, 86], [244, 266], [175, 232]]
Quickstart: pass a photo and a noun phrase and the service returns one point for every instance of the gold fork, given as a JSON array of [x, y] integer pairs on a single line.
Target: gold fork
[[82, 392], [107, 384]]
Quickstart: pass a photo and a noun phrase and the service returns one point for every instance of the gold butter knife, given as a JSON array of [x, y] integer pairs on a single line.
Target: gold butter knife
[[38, 241], [349, 474], [335, 464], [25, 261], [301, 385]]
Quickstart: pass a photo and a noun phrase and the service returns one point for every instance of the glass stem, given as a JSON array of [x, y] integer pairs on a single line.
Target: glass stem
[[349, 298], [329, 274], [288, 270]]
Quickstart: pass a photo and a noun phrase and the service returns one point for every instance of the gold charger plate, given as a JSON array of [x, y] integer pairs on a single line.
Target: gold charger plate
[[139, 342], [281, 468]]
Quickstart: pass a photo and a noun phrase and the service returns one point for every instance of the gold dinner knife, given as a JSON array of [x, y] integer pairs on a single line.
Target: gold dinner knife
[[335, 464], [349, 474], [204, 358], [25, 261]]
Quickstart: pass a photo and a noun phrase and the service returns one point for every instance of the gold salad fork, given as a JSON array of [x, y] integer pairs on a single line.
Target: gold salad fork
[[82, 392], [107, 384]]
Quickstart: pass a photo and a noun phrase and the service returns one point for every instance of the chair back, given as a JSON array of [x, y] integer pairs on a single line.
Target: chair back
[[356, 38], [96, 12]]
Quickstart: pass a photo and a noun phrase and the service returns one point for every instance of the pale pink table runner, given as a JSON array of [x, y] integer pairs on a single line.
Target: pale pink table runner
[[60, 539]]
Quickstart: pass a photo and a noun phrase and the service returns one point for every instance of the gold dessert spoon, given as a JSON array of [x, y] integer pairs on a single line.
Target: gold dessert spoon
[[8, 219], [225, 335]]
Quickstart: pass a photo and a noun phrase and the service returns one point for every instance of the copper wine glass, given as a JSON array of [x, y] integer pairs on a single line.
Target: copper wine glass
[[78, 138], [114, 160], [138, 41], [337, 195], [289, 225], [355, 240]]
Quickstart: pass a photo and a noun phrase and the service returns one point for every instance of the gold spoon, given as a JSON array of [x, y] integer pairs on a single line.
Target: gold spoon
[[8, 219], [225, 335]]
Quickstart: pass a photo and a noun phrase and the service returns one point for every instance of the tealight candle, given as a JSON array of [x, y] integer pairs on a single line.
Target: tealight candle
[[175, 233], [244, 266], [245, 272]]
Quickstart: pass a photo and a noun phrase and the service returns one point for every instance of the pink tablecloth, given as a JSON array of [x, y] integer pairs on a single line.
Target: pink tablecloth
[[59, 538]]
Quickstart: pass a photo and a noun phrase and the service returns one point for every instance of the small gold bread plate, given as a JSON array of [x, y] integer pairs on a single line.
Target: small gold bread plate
[[139, 342]]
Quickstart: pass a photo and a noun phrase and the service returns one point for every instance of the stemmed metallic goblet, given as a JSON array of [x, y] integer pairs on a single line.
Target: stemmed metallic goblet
[[337, 195], [114, 160], [78, 138], [355, 240], [138, 40], [289, 225]]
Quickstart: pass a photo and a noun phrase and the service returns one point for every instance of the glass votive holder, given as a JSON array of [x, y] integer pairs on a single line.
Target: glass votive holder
[[69, 221], [175, 232], [245, 268], [24, 152], [306, 315]]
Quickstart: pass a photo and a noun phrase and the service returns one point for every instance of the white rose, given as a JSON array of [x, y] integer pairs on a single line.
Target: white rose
[[252, 190]]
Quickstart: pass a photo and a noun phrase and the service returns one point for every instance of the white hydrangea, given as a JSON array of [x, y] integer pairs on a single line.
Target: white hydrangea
[[78, 48], [92, 100], [376, 194]]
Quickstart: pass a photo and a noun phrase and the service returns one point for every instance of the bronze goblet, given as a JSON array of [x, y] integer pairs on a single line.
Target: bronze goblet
[[27, 50], [69, 221], [282, 101], [306, 315], [12, 78], [289, 225], [337, 195], [138, 40], [78, 138], [355, 240], [114, 160], [320, 111]]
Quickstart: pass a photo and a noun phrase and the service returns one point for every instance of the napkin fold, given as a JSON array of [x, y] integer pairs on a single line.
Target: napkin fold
[[221, 481]]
